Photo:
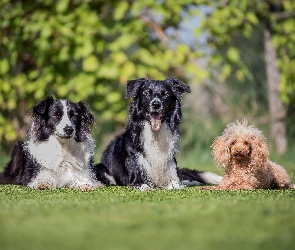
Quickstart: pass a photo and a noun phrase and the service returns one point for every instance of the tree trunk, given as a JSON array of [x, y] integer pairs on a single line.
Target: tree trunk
[[276, 108]]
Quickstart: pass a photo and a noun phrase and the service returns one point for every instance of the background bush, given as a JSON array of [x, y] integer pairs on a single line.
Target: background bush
[[88, 50]]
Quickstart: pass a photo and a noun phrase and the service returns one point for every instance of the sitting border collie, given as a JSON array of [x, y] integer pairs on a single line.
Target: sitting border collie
[[144, 155], [59, 150]]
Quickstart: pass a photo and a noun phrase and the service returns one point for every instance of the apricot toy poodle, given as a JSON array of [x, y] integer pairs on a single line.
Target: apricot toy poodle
[[242, 151]]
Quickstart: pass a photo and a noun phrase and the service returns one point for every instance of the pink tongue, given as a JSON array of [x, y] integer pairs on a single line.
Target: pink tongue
[[155, 121]]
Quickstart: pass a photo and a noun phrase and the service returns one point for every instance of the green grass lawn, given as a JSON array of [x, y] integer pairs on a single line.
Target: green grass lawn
[[122, 218]]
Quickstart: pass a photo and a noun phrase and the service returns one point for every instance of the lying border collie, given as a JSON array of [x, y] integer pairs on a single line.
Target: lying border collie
[[59, 150], [144, 155]]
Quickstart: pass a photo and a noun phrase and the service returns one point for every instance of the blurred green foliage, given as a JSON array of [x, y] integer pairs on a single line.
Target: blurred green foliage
[[230, 19], [88, 49], [85, 50]]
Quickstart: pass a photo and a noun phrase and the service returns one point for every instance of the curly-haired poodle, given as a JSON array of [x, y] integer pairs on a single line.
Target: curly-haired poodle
[[242, 151]]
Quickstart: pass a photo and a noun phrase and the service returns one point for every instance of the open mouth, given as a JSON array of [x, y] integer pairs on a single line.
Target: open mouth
[[155, 120]]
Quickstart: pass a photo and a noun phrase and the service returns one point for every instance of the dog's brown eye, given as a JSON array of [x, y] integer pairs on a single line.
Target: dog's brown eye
[[57, 115], [165, 94], [233, 143], [246, 143], [147, 93], [72, 115]]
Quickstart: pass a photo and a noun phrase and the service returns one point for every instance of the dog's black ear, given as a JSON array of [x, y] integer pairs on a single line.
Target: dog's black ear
[[40, 108], [178, 87], [87, 117], [134, 86]]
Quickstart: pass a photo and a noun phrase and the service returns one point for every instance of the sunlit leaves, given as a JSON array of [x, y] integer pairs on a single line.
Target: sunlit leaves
[[232, 55], [127, 71], [4, 66], [61, 6], [123, 41], [108, 71], [252, 18], [86, 50], [236, 17], [90, 64], [121, 9]]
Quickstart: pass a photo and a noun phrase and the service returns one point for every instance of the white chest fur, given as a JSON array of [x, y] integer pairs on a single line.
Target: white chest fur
[[158, 157], [62, 164]]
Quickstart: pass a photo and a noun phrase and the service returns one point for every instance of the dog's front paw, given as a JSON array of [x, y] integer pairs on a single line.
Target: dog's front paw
[[42, 186], [175, 185], [84, 188], [144, 188], [87, 187]]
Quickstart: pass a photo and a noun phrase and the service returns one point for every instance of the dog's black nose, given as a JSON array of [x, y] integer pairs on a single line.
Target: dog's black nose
[[68, 130], [156, 104]]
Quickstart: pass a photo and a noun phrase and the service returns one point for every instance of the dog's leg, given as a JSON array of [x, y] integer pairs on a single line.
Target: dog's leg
[[103, 175], [281, 179], [44, 180], [145, 187], [85, 186], [20, 168], [175, 185], [141, 185]]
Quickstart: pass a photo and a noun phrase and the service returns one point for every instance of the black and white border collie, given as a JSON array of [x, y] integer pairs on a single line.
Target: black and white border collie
[[59, 150], [143, 156]]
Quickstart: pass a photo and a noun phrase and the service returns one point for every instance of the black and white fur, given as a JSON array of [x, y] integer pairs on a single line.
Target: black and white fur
[[59, 150], [143, 156]]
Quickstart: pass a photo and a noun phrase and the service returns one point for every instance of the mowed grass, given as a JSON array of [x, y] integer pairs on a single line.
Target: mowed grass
[[123, 218]]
